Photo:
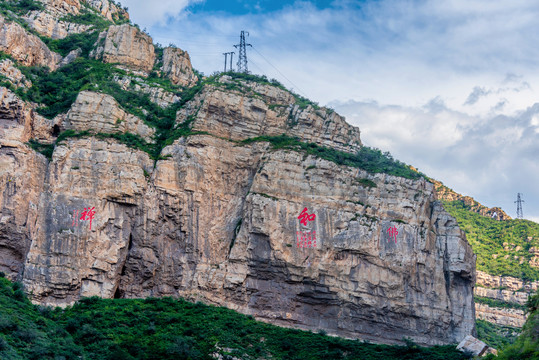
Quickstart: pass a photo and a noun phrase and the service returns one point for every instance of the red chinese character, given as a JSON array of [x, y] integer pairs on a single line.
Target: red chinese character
[[392, 231], [75, 217], [88, 214], [304, 217]]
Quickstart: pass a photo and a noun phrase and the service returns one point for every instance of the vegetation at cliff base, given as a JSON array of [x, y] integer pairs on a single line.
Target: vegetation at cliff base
[[169, 328], [526, 345], [495, 336], [502, 247]]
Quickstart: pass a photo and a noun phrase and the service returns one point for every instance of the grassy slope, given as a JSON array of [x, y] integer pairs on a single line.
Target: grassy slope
[[487, 237], [169, 328]]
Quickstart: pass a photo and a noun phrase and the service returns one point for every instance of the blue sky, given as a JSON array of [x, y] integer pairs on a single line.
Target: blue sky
[[448, 86]]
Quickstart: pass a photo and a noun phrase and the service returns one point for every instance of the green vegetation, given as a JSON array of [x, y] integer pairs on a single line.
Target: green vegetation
[[371, 160], [366, 183], [495, 336], [45, 149], [83, 41], [498, 303], [19, 7], [169, 328], [487, 237], [526, 345]]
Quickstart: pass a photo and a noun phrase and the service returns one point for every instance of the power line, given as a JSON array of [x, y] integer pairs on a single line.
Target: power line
[[283, 75]]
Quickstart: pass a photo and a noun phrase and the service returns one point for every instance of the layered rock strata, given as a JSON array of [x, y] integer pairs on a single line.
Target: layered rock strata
[[245, 110], [100, 113], [177, 67], [218, 222], [127, 45], [24, 47]]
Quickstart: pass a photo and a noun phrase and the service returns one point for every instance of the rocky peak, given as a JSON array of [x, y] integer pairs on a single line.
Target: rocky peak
[[447, 194], [238, 109], [127, 45], [108, 9], [62, 7], [177, 67]]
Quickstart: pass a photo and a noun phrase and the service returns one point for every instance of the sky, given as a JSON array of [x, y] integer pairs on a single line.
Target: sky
[[451, 87]]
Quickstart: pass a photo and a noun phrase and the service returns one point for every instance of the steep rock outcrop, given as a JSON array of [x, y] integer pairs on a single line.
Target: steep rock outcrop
[[241, 111], [101, 113], [500, 316], [127, 45], [19, 122], [24, 47], [48, 24], [447, 194], [108, 9], [22, 181], [181, 235], [60, 8], [14, 75], [71, 257], [177, 67]]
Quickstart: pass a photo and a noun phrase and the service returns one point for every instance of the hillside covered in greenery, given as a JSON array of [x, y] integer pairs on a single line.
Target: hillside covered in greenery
[[169, 328], [526, 345], [502, 247]]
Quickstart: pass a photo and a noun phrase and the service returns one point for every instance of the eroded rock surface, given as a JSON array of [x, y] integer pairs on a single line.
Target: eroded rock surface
[[247, 110], [127, 45], [14, 75], [501, 316], [177, 67], [24, 47], [48, 24], [101, 113]]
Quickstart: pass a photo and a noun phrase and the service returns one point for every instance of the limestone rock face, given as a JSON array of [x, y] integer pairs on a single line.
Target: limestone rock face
[[62, 7], [126, 45], [22, 179], [14, 75], [108, 9], [71, 257], [218, 222], [19, 122], [177, 67], [48, 24], [101, 113], [256, 110], [24, 47], [500, 316]]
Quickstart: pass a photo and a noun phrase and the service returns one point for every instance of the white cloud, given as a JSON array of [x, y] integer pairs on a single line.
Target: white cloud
[[147, 13], [489, 158], [461, 75]]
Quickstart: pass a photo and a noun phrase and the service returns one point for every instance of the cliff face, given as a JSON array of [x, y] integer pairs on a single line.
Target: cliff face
[[26, 48], [219, 220], [127, 45]]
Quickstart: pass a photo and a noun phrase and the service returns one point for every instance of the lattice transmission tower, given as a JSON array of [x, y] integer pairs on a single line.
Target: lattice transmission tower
[[242, 57], [519, 206]]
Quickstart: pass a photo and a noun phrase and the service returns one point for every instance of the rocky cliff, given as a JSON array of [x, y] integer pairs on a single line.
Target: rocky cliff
[[221, 214]]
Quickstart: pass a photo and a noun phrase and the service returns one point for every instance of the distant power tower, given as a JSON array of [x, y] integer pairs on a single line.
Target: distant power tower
[[231, 55], [242, 57], [519, 206]]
